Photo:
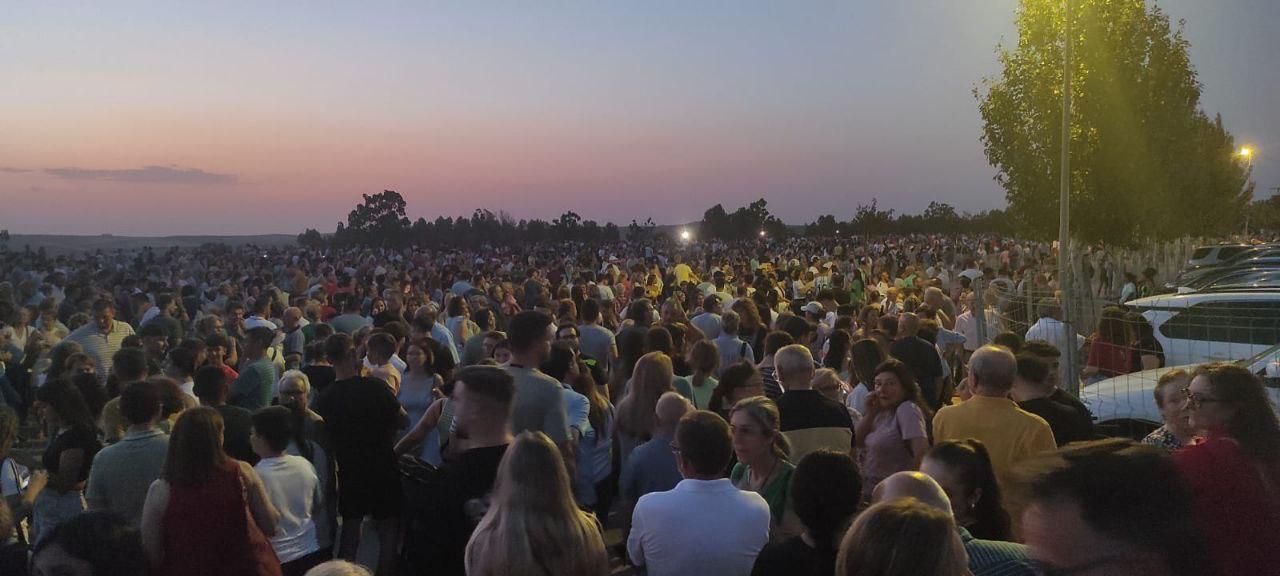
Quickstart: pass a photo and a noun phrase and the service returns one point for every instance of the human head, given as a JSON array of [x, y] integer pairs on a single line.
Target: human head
[[878, 541], [775, 341], [828, 383], [482, 397], [258, 339], [865, 356], [794, 366], [104, 313], [1049, 308], [211, 385], [1115, 505], [1229, 399], [992, 370], [670, 409], [340, 351], [93, 543], [272, 431], [825, 489], [729, 323], [529, 337], [911, 484], [740, 380], [154, 340], [1045, 352], [1032, 375], [181, 363], [140, 403], [60, 403], [338, 568], [195, 448], [963, 469], [703, 445], [711, 304], [1170, 396], [704, 357], [908, 325], [1111, 327], [757, 431], [291, 318], [380, 348], [895, 383], [294, 388], [129, 365]]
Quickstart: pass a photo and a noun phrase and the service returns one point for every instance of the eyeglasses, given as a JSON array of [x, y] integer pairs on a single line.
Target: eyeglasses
[[1196, 399]]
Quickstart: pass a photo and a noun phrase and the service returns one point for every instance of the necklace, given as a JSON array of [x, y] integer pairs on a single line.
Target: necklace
[[765, 479]]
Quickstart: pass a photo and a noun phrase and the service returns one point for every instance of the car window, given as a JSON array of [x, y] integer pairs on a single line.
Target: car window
[[1202, 252], [1256, 323], [1228, 252]]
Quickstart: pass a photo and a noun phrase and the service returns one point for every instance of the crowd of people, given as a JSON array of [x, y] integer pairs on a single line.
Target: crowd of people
[[809, 406]]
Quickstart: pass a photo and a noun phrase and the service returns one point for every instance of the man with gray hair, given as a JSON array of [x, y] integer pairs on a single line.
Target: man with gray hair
[[1010, 433], [986, 557], [809, 420]]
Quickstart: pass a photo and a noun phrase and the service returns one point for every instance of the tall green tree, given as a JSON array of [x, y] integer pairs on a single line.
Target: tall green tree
[[1146, 161], [379, 220]]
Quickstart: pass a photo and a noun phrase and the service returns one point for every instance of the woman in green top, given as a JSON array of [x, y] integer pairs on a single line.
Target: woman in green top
[[703, 358], [762, 466]]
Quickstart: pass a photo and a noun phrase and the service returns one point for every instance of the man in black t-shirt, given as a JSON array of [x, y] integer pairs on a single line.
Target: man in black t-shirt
[[361, 417], [810, 420], [211, 387], [921, 357], [1033, 392], [446, 505]]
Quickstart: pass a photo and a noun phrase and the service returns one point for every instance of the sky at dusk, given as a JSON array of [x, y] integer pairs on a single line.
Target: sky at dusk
[[236, 117]]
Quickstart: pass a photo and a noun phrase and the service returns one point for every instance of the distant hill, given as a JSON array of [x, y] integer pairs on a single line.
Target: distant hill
[[66, 244]]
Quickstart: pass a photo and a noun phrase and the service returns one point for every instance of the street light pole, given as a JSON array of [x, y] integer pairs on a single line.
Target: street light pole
[[1064, 204]]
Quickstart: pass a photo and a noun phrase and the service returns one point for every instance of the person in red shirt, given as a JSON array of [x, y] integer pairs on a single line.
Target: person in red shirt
[[1234, 470], [1109, 350]]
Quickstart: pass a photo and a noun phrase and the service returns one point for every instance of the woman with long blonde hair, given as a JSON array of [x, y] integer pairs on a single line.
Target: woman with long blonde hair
[[533, 527], [652, 377]]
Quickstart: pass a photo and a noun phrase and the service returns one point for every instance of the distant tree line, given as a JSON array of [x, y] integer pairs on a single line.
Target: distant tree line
[[380, 220]]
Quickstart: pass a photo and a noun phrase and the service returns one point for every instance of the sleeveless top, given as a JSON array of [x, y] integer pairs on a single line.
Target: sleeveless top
[[208, 530]]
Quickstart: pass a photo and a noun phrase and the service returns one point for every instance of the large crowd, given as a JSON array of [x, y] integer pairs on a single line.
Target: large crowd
[[850, 406]]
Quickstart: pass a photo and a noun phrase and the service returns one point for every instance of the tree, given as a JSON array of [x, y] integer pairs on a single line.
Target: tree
[[379, 220], [1146, 162], [311, 238], [869, 220], [566, 227]]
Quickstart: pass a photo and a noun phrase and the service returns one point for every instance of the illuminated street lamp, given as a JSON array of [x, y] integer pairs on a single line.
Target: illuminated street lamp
[[762, 233], [1245, 153], [685, 235]]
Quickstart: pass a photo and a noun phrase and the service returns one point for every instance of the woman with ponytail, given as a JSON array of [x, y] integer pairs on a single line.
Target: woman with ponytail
[[825, 491], [963, 469], [762, 450]]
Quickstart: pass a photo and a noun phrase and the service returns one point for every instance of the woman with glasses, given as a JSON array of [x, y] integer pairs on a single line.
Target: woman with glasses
[[1234, 473]]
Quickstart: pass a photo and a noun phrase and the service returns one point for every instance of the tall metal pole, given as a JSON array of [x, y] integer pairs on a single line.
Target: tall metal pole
[[1064, 206]]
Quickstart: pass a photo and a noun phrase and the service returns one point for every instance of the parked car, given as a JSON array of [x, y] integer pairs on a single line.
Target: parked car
[[1126, 406], [1231, 276], [1209, 255], [1190, 277], [1211, 326], [1256, 279]]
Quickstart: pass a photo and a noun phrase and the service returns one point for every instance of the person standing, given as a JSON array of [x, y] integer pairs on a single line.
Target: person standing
[[1010, 434], [254, 387], [361, 419], [103, 337], [704, 525], [123, 472], [293, 488]]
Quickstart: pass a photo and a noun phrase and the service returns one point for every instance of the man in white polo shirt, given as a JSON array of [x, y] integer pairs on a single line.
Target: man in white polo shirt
[[704, 525], [103, 337]]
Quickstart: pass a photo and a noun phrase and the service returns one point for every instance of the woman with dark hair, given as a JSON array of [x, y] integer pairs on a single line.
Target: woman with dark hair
[[740, 380], [1109, 352], [825, 490], [66, 458], [864, 356], [751, 326], [1147, 352], [1235, 472], [837, 355], [419, 389], [208, 514], [892, 432], [630, 349], [95, 398], [91, 544], [963, 469]]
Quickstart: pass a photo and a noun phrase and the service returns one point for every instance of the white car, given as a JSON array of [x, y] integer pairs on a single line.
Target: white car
[[1126, 405], [1201, 327]]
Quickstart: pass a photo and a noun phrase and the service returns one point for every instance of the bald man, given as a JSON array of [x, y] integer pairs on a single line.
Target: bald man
[[986, 557], [1010, 433], [651, 467]]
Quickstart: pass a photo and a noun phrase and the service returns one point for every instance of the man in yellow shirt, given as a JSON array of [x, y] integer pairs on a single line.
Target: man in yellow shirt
[[1010, 434]]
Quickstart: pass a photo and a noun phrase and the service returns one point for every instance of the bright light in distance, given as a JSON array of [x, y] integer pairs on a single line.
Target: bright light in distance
[[1245, 152], [685, 235], [762, 233]]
